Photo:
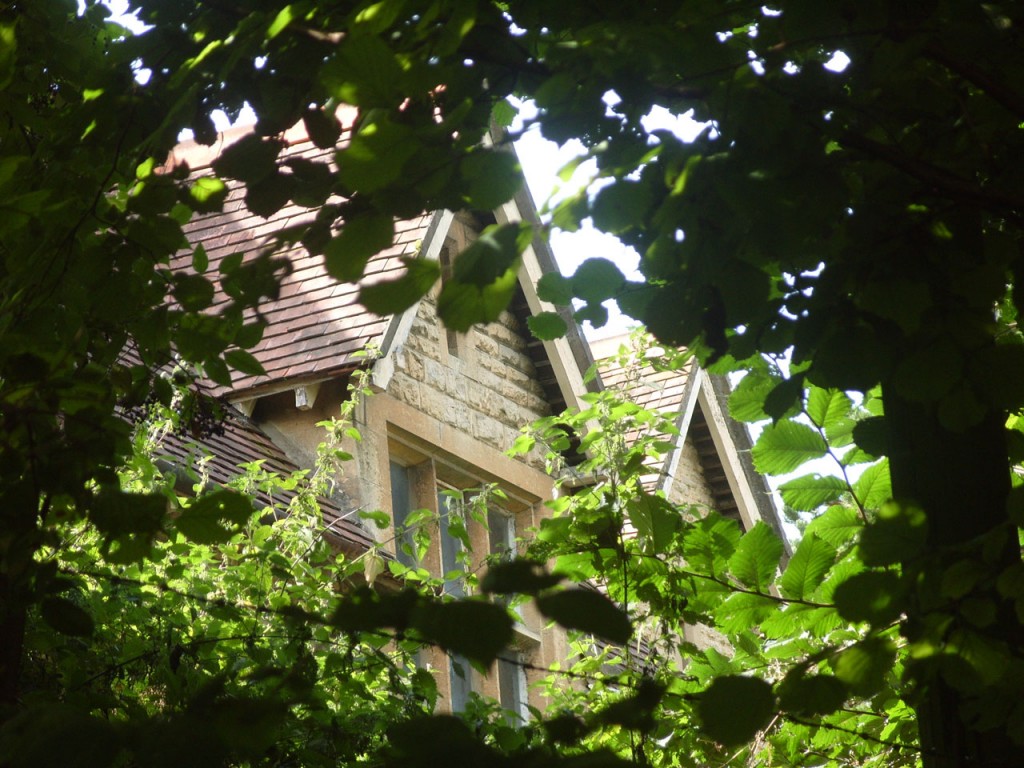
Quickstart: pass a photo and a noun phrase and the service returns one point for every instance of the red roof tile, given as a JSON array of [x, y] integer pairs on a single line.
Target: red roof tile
[[315, 325], [221, 458]]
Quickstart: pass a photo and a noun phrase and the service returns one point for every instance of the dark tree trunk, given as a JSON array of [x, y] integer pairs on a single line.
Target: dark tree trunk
[[961, 480]]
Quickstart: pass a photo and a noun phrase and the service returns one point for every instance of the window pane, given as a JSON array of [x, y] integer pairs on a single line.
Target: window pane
[[401, 506], [512, 685], [502, 533], [461, 685], [451, 547]]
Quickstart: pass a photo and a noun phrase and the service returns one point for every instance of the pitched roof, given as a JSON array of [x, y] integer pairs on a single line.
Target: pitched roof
[[695, 401], [221, 453], [315, 326]]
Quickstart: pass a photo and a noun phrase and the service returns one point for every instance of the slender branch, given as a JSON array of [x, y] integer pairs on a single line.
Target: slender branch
[[939, 179], [979, 78], [858, 734]]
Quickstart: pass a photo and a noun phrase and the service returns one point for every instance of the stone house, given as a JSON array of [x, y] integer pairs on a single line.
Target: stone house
[[445, 407]]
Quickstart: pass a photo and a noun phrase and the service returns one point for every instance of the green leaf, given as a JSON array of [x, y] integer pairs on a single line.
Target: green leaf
[[863, 666], [8, 49], [324, 129], [364, 72], [873, 488], [741, 611], [811, 694], [244, 361], [872, 596], [897, 534], [746, 402], [268, 195], [587, 611], [784, 446], [785, 399], [656, 521], [193, 292], [827, 407], [547, 325], [621, 206], [477, 630], [214, 518], [837, 526], [207, 194], [872, 435], [398, 295], [376, 156], [380, 518], [284, 17], [503, 113], [484, 278], [66, 617], [733, 709], [757, 557], [463, 305], [200, 260], [493, 177], [348, 253], [250, 159], [556, 288], [518, 576], [808, 492], [807, 568], [596, 280]]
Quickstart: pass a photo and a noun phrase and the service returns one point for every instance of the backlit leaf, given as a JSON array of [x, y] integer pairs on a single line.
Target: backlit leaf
[[784, 446], [874, 488], [243, 361], [807, 568], [809, 492], [838, 525], [250, 159], [555, 287], [811, 694], [757, 557]]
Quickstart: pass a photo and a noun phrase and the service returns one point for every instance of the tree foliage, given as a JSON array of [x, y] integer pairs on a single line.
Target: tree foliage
[[864, 219]]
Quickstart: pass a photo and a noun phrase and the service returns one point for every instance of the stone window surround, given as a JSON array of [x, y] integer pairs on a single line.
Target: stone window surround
[[406, 434]]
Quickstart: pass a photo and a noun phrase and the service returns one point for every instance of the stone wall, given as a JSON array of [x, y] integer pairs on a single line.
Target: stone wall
[[481, 382], [689, 486]]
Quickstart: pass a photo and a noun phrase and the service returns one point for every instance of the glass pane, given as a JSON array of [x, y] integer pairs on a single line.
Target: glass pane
[[512, 685], [451, 548], [401, 506], [461, 684], [502, 533]]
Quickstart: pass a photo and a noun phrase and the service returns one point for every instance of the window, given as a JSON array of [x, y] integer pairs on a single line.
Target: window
[[460, 681], [470, 520], [501, 528], [512, 693], [401, 508], [453, 531]]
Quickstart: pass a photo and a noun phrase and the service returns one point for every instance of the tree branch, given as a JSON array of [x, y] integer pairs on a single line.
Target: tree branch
[[979, 78], [940, 180]]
